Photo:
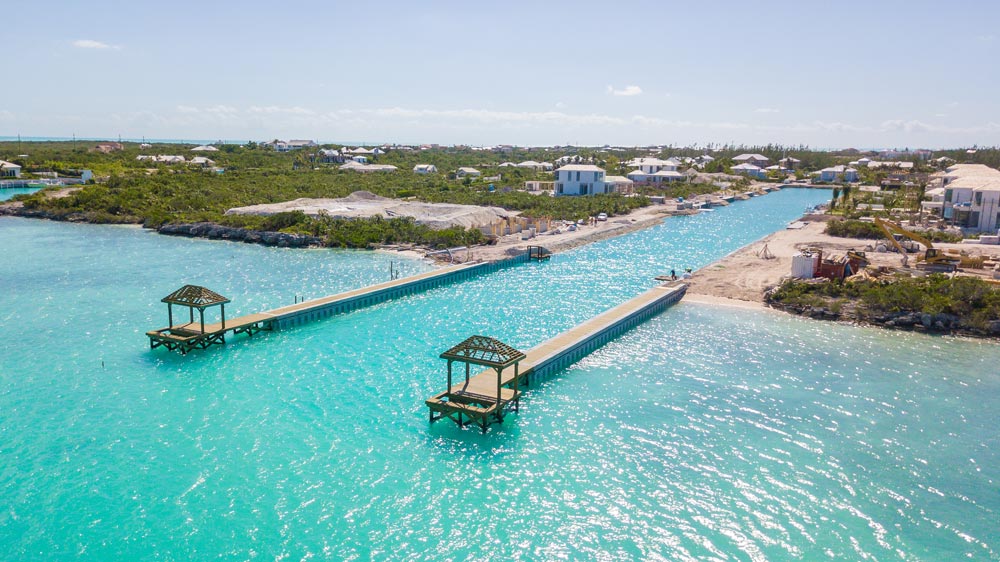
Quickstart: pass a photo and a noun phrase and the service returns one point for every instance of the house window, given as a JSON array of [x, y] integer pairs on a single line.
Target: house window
[[578, 176], [947, 195], [979, 198]]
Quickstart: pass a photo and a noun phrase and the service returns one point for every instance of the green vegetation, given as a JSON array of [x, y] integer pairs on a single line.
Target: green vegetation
[[871, 231], [153, 194], [975, 302]]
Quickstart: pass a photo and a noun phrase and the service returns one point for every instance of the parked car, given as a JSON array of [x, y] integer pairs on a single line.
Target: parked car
[[602, 217]]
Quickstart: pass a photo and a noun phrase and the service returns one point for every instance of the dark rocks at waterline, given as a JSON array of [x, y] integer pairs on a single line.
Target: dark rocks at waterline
[[214, 231], [906, 320]]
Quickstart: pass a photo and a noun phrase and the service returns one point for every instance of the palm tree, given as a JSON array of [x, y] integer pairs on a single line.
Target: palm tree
[[836, 194]]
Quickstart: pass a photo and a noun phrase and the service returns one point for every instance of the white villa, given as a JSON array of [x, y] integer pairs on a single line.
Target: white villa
[[424, 169], [972, 197], [838, 173], [294, 144], [580, 179], [467, 172], [650, 166], [9, 169], [749, 170], [204, 148], [329, 155], [201, 161], [789, 163], [758, 160], [537, 166]]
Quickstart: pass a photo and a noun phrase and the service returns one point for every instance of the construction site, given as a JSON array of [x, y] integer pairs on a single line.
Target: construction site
[[805, 251], [913, 254]]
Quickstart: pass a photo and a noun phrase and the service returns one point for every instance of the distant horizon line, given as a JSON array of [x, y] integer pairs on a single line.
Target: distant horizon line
[[16, 138]]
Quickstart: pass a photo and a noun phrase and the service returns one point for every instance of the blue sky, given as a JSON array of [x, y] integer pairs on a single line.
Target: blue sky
[[865, 74]]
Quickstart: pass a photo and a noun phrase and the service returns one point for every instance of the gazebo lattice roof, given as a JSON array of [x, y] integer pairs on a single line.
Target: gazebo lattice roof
[[194, 296], [486, 351]]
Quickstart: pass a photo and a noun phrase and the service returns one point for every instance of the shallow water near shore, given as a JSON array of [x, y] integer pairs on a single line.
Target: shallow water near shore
[[708, 432]]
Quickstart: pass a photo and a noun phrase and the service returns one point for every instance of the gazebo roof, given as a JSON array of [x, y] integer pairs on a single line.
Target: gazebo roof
[[486, 351], [194, 296]]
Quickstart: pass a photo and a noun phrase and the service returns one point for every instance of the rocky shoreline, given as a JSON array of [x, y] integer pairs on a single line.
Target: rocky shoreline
[[945, 324], [214, 231]]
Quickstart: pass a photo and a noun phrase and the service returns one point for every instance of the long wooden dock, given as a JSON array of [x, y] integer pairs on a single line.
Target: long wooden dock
[[187, 336], [483, 399]]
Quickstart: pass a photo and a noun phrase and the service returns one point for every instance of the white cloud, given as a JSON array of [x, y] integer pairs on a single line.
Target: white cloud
[[626, 91], [275, 109], [767, 110], [91, 44], [560, 105], [6, 115]]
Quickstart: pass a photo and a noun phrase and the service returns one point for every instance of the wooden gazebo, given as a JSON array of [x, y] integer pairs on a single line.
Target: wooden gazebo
[[191, 335], [482, 399], [195, 297]]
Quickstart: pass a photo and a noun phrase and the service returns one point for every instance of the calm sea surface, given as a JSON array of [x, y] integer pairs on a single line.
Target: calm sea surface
[[706, 433], [9, 192]]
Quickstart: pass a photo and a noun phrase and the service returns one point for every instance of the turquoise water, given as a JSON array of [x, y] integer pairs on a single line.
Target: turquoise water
[[10, 192], [708, 432]]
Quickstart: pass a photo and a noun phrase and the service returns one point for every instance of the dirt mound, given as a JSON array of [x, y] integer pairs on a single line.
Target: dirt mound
[[362, 204]]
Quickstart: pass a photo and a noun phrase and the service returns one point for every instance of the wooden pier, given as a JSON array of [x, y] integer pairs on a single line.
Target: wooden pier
[[484, 398], [191, 335]]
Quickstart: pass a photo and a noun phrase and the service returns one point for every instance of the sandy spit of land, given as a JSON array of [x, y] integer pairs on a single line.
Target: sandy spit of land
[[562, 239], [745, 275]]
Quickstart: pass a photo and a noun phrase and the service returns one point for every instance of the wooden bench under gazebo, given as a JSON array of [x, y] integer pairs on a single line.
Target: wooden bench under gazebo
[[198, 335], [483, 399]]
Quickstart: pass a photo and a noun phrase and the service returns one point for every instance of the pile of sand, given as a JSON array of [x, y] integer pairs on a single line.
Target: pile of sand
[[366, 204]]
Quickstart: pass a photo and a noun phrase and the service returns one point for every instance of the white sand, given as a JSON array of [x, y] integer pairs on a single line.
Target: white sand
[[362, 204]]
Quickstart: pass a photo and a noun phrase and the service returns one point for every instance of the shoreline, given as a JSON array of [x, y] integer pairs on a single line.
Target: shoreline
[[506, 246]]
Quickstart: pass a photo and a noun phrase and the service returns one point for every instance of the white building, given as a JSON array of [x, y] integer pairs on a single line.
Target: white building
[[758, 160], [667, 176], [204, 148], [467, 172], [9, 169], [789, 163], [202, 161], [972, 197], [749, 170], [330, 155], [838, 173], [295, 144], [424, 169], [580, 179], [650, 166], [355, 166]]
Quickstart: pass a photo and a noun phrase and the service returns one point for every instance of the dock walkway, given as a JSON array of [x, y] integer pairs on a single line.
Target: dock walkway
[[549, 357], [187, 336]]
